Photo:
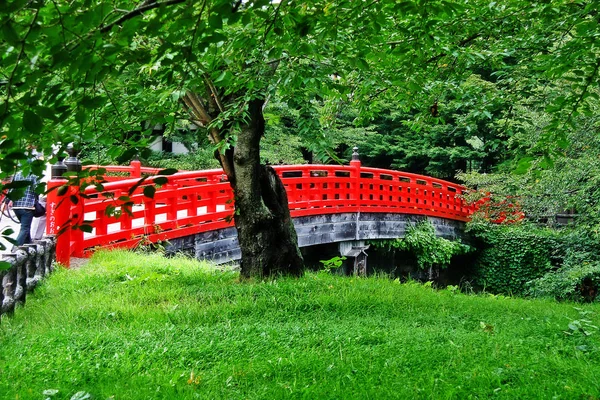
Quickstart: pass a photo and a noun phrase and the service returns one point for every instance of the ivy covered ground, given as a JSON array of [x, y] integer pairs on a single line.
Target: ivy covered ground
[[130, 326]]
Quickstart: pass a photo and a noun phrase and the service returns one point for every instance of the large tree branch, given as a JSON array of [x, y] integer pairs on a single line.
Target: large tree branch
[[201, 115], [195, 105], [139, 11], [214, 93]]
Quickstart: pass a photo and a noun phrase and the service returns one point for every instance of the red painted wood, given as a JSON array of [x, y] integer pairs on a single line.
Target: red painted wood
[[58, 212], [200, 201]]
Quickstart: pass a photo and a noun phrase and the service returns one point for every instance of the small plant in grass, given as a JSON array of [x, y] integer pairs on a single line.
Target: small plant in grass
[[147, 246], [581, 329], [453, 289], [332, 264], [583, 325]]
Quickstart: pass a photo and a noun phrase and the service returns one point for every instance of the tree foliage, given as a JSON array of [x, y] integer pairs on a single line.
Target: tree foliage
[[94, 70]]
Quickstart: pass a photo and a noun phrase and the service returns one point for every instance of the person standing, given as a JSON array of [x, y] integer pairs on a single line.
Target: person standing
[[24, 207], [38, 226]]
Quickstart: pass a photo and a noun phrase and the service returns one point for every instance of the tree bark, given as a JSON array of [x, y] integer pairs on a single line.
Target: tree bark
[[266, 233]]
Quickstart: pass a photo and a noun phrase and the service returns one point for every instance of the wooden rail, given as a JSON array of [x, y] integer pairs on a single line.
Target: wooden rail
[[190, 202]]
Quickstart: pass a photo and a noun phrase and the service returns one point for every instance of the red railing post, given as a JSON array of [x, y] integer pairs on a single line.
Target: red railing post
[[75, 203], [355, 175], [77, 218], [212, 194], [58, 212], [126, 211], [136, 169]]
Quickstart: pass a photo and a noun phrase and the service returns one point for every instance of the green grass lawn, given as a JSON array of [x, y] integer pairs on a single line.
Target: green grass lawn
[[143, 327]]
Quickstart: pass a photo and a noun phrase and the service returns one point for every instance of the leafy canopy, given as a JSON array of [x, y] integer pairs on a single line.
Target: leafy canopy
[[99, 71]]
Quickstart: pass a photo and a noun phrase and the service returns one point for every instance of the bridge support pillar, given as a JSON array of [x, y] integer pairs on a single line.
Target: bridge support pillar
[[357, 250]]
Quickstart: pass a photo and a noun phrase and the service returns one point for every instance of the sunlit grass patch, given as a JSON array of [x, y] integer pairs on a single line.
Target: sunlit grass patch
[[140, 327]]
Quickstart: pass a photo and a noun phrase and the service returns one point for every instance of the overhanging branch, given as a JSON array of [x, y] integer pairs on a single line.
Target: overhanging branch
[[139, 11]]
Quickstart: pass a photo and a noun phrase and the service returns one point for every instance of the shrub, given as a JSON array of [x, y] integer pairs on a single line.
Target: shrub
[[512, 255], [578, 279], [202, 158]]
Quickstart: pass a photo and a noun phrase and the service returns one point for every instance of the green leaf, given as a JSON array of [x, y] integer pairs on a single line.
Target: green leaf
[[62, 190], [81, 116], [167, 171], [8, 232], [149, 191], [4, 265], [9, 33], [224, 78], [573, 327], [137, 184], [92, 102], [215, 38], [523, 165], [86, 228], [46, 113], [32, 122], [215, 21], [161, 180]]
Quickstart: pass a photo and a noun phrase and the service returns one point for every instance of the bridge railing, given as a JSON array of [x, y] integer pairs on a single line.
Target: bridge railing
[[121, 213], [324, 189]]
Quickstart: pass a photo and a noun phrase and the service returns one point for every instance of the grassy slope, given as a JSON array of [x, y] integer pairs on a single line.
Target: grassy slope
[[144, 327]]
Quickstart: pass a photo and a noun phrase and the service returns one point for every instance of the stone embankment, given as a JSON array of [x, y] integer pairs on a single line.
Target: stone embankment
[[29, 264]]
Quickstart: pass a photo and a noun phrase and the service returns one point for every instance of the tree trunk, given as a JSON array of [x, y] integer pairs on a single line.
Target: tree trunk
[[266, 233]]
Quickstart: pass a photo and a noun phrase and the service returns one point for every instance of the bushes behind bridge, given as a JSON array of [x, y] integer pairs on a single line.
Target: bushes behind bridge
[[524, 259], [578, 277], [201, 158], [512, 255]]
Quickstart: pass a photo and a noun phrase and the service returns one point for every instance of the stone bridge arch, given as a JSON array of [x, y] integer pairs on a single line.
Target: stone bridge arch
[[221, 246]]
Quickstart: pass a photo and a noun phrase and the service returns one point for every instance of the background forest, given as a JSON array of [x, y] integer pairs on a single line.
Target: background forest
[[513, 152]]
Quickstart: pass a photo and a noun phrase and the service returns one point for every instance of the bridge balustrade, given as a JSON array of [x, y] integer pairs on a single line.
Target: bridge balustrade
[[190, 202]]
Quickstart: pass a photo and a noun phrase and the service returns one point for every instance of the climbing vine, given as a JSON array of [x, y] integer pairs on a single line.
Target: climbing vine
[[428, 249], [512, 255]]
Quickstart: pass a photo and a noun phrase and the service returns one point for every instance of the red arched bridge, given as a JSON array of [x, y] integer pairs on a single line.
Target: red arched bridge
[[193, 210]]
